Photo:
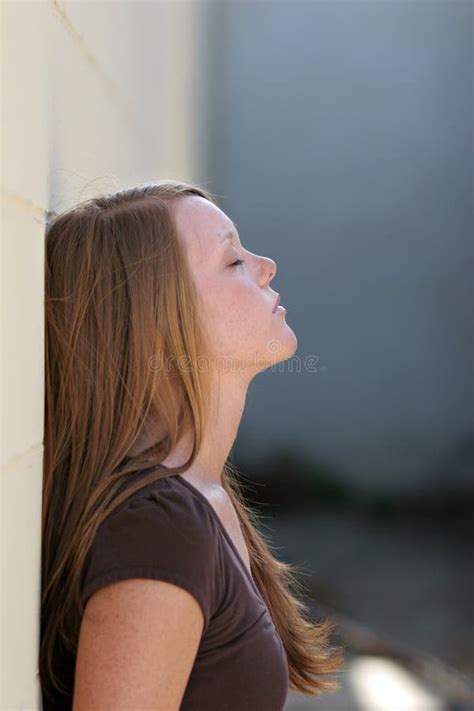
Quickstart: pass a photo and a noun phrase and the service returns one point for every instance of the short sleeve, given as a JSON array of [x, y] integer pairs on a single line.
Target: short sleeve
[[164, 534]]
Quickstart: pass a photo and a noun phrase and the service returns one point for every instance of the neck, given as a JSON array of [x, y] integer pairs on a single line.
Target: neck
[[226, 409]]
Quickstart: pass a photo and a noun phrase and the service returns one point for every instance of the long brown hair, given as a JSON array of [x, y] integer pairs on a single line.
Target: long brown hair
[[119, 297]]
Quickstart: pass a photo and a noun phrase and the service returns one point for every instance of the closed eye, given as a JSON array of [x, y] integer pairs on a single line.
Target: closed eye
[[236, 263]]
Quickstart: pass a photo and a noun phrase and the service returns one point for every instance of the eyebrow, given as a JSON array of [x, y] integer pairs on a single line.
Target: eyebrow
[[228, 236]]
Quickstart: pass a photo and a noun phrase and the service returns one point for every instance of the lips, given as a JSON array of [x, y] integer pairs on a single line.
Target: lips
[[276, 303]]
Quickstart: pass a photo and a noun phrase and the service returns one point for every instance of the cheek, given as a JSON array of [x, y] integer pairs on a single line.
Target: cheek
[[231, 318], [234, 297], [235, 310]]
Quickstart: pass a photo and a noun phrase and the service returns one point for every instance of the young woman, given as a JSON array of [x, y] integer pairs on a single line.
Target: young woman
[[158, 590]]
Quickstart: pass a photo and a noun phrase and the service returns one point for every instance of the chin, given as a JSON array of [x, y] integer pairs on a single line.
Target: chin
[[289, 345], [288, 340], [281, 347]]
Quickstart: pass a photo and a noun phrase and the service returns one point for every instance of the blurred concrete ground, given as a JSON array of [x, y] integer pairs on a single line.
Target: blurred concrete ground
[[372, 683], [408, 581]]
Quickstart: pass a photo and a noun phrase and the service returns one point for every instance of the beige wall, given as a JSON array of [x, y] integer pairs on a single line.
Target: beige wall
[[96, 96]]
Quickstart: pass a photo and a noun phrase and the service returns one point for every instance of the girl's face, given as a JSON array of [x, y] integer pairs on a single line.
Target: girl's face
[[233, 284]]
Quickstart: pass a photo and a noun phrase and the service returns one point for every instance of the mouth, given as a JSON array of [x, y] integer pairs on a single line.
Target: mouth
[[276, 303]]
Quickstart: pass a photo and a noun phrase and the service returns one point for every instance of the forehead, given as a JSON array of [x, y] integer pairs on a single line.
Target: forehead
[[201, 226]]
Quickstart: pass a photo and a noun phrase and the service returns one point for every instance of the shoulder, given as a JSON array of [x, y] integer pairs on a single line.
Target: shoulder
[[162, 532]]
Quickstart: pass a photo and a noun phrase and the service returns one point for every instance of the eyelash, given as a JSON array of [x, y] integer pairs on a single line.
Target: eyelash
[[236, 263]]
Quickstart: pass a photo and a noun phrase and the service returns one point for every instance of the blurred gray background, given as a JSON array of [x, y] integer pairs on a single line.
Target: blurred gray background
[[341, 145]]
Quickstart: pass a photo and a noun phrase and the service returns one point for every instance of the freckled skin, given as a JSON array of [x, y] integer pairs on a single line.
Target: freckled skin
[[237, 300], [237, 310]]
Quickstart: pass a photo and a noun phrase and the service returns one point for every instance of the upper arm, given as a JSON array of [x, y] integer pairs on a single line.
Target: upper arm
[[137, 643]]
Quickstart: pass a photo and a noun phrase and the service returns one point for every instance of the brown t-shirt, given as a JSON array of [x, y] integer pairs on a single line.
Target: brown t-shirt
[[177, 536]]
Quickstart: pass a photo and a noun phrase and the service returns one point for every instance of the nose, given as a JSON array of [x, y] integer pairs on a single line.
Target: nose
[[269, 268]]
